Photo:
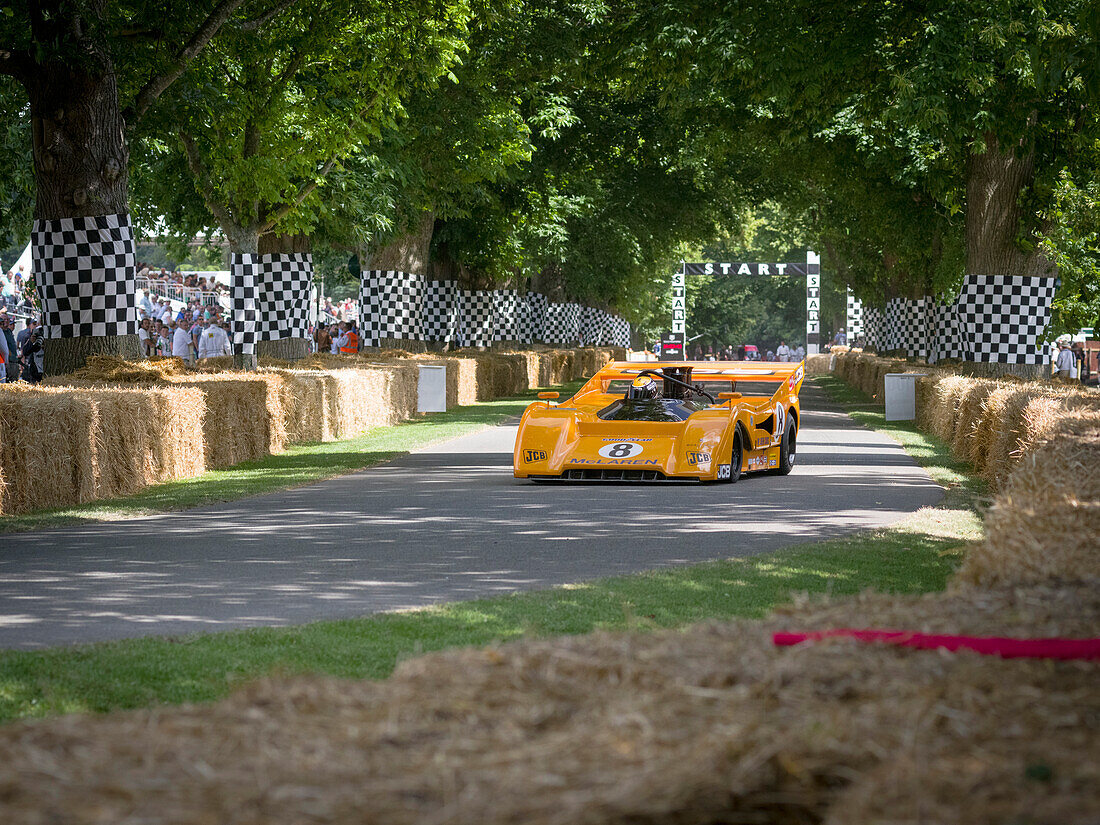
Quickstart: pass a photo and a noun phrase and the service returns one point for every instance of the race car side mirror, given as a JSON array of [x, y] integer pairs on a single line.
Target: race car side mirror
[[546, 395]]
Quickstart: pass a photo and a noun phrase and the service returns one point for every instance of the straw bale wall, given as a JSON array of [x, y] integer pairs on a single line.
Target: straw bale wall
[[116, 426], [687, 727], [68, 445], [1045, 524]]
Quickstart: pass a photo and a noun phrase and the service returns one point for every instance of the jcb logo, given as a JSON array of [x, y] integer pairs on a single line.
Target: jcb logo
[[698, 458], [530, 456]]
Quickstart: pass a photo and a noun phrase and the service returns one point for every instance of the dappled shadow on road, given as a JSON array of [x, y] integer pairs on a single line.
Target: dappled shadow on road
[[439, 525]]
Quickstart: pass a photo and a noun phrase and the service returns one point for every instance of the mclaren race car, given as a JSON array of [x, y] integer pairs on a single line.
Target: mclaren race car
[[688, 421]]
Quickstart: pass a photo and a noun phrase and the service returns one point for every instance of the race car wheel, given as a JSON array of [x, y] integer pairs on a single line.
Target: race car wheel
[[737, 456], [787, 448]]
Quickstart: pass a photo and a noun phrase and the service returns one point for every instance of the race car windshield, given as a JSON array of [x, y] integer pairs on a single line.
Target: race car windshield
[[650, 409]]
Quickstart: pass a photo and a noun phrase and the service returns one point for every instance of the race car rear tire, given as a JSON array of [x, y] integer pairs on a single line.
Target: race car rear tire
[[787, 448], [737, 457]]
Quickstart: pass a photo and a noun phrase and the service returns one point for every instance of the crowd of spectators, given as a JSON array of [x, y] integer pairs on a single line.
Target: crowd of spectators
[[346, 310], [191, 280]]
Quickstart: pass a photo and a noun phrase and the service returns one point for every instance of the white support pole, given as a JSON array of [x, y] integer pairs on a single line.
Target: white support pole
[[813, 303]]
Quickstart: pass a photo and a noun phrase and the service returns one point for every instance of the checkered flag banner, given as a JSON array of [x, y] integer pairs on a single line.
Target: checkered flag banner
[[947, 337], [535, 329], [507, 315], [618, 331], [854, 326], [243, 268], [283, 285], [390, 304], [562, 324], [85, 273], [439, 308], [476, 318], [1002, 316]]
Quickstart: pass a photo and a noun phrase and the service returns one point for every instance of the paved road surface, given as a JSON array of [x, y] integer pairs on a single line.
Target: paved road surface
[[446, 523]]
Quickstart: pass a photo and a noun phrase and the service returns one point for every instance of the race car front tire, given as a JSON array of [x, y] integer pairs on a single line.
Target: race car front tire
[[787, 448], [737, 457]]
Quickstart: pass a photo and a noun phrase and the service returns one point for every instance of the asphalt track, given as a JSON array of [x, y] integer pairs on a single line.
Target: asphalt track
[[446, 523]]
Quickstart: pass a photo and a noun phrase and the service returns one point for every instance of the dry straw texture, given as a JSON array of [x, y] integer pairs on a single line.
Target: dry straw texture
[[1045, 524], [712, 724], [69, 445]]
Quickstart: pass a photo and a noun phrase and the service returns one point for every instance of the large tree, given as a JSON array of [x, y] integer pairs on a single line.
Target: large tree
[[90, 70]]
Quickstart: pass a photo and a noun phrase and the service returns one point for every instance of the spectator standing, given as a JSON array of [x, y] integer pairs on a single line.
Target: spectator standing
[[144, 337], [323, 338], [784, 352], [12, 356], [146, 303], [181, 340], [799, 353], [164, 339], [33, 356], [5, 353], [1066, 363], [213, 342]]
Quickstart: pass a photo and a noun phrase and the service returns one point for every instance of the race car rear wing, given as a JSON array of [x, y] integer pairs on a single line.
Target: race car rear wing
[[790, 374]]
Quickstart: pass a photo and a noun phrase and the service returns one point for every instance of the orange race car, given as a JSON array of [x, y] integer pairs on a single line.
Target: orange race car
[[688, 421]]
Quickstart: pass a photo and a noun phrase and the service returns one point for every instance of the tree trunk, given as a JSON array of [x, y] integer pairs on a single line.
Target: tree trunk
[[243, 240], [285, 349], [80, 151], [995, 181], [410, 252], [66, 355]]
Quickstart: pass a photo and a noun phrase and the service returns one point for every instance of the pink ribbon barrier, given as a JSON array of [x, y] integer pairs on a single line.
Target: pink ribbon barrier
[[1005, 647]]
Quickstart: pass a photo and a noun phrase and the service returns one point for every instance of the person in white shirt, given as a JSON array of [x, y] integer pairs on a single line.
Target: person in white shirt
[[783, 353], [1066, 363], [146, 304], [143, 337], [181, 342], [213, 342], [800, 353]]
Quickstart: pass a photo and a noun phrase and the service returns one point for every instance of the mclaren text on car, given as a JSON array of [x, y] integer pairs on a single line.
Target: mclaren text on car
[[691, 421]]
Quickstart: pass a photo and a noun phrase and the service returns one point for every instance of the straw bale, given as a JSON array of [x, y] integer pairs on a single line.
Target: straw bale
[[1045, 523], [47, 439], [114, 369], [711, 724], [965, 441], [244, 416], [819, 364], [69, 445], [364, 398]]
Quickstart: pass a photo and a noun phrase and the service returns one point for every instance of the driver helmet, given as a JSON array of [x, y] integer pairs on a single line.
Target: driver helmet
[[643, 387]]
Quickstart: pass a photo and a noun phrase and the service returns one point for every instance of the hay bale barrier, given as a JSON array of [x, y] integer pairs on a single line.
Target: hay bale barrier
[[116, 426], [69, 445], [710, 724]]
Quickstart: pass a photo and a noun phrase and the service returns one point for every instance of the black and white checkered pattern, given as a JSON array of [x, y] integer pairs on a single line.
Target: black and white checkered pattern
[[854, 325], [1001, 318], [618, 332], [283, 284], [390, 304], [872, 326], [439, 307], [476, 318], [945, 323], [590, 326], [508, 314], [914, 328], [86, 277], [534, 327], [562, 324], [243, 276]]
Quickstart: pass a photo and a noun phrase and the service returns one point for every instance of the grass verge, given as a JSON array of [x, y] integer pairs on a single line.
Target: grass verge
[[917, 555], [300, 464]]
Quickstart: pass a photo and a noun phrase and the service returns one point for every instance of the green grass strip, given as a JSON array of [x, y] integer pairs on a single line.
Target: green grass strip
[[300, 464], [915, 556]]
